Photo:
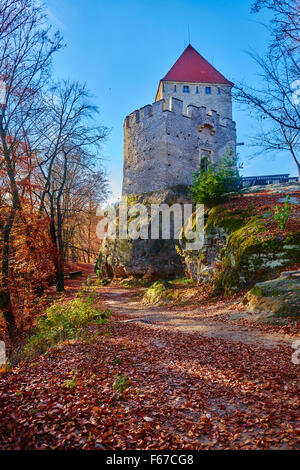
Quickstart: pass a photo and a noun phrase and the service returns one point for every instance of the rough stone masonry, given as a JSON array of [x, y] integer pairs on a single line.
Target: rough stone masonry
[[191, 118]]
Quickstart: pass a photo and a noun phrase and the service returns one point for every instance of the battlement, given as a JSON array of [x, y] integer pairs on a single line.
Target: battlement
[[201, 114], [165, 142], [191, 119]]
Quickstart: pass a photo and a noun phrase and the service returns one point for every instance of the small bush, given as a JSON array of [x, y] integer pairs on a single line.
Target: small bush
[[161, 291], [213, 181], [99, 273], [70, 384], [155, 292], [282, 213], [63, 321], [121, 383]]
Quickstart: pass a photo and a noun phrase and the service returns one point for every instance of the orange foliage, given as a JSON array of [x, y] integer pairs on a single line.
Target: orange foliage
[[32, 252]]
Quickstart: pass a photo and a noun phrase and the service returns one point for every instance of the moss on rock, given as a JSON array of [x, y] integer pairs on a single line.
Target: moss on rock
[[151, 258], [276, 297], [241, 246]]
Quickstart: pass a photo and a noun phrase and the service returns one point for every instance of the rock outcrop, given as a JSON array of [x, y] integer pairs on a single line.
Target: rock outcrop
[[151, 259], [242, 241], [277, 297]]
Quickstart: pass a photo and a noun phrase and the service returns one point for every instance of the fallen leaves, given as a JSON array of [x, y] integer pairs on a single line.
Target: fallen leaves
[[194, 393]]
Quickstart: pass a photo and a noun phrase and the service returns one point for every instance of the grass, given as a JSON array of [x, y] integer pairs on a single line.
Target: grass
[[161, 291], [134, 282], [65, 321], [184, 281], [172, 290]]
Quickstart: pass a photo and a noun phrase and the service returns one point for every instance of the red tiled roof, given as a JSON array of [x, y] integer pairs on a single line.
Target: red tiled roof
[[192, 67]]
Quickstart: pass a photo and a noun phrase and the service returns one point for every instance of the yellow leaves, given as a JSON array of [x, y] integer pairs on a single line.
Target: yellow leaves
[[3, 370], [97, 409]]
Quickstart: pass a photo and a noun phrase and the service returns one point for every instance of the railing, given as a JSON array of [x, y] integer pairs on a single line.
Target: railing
[[248, 181]]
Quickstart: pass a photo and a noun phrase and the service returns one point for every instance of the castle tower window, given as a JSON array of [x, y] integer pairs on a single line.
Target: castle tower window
[[208, 90], [186, 89], [203, 164], [197, 89], [205, 159], [219, 91], [175, 89]]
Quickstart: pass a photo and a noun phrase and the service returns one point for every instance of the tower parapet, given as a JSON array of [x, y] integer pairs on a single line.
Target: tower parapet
[[191, 117], [164, 143]]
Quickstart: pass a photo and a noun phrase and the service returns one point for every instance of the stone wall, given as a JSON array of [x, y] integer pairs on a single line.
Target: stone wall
[[219, 99], [163, 145]]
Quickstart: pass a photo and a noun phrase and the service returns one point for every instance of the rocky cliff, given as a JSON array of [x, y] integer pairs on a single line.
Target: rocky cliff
[[243, 243], [150, 259]]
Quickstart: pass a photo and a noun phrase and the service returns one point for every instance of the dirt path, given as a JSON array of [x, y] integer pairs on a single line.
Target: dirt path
[[193, 382], [125, 305]]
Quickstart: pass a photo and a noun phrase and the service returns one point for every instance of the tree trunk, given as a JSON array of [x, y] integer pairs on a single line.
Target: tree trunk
[[291, 150], [295, 160], [5, 297], [60, 277], [60, 280], [89, 234], [59, 274], [7, 311]]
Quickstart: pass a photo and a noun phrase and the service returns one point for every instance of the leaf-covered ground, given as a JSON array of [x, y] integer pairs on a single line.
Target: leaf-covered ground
[[183, 391]]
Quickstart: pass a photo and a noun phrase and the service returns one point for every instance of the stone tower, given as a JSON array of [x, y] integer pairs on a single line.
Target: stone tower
[[191, 117]]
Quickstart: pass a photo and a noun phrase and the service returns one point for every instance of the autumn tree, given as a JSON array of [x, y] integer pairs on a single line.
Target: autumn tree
[[276, 99], [85, 189], [285, 22], [26, 49], [67, 138]]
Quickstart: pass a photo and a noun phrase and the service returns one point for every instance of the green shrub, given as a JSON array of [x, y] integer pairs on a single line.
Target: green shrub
[[155, 292], [121, 383], [63, 321], [281, 213], [71, 384], [213, 181], [99, 273], [161, 291]]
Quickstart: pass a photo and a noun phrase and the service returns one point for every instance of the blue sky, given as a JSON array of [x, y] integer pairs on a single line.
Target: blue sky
[[122, 48]]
